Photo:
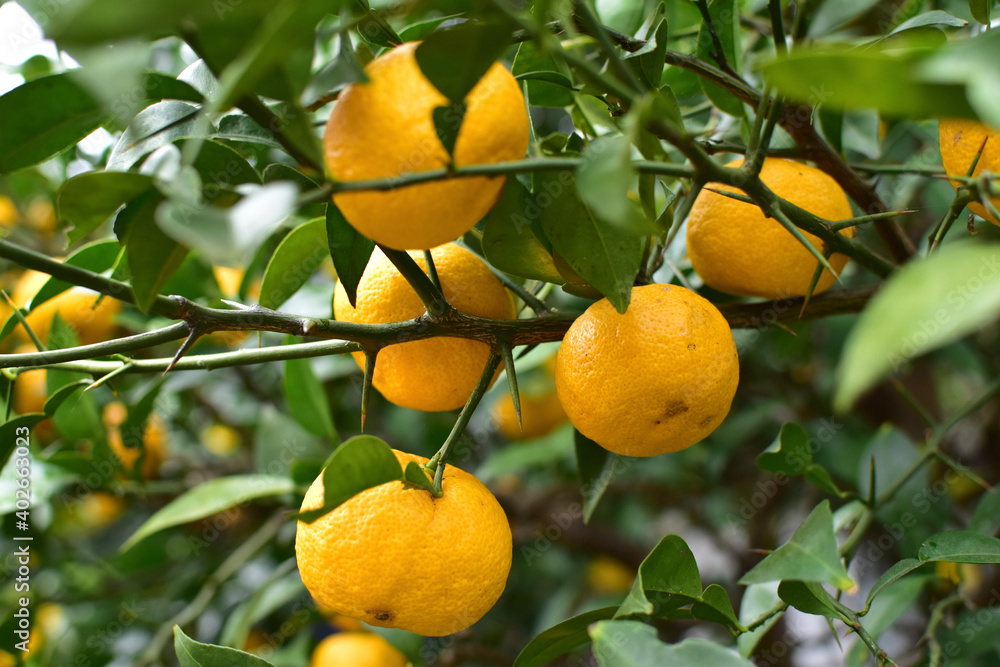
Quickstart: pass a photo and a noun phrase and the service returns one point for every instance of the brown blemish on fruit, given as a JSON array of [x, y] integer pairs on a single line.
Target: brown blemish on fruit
[[705, 422], [672, 410], [382, 614], [691, 346]]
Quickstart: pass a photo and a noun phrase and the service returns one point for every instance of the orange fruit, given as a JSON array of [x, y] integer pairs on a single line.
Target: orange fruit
[[606, 575], [153, 443], [657, 379], [91, 317], [9, 215], [540, 414], [960, 140], [30, 395], [384, 128], [735, 249], [356, 649], [397, 557], [434, 374]]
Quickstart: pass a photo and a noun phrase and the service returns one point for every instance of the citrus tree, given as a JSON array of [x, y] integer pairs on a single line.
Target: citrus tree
[[500, 333]]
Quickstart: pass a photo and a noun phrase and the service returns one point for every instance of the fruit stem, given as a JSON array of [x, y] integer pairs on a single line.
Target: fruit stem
[[429, 293], [439, 461]]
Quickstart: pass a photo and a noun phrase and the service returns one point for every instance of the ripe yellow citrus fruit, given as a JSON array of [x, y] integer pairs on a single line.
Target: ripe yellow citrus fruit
[[397, 557], [607, 575], [154, 440], [385, 127], [960, 140], [30, 394], [434, 374], [356, 649], [735, 249], [657, 379], [221, 440], [93, 321], [540, 414], [9, 215]]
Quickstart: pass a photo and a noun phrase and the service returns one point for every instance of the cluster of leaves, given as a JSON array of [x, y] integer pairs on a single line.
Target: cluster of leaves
[[187, 138]]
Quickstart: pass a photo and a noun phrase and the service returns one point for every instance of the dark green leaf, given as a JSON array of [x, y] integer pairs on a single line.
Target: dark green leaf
[[606, 257], [926, 304], [670, 569], [789, 453], [649, 61], [349, 249], [419, 30], [561, 639], [596, 469], [43, 117], [635, 644], [897, 600], [715, 607], [57, 397], [808, 597], [832, 15], [604, 181], [935, 18], [480, 45], [725, 19], [810, 555], [509, 240], [208, 498], [981, 10], [221, 169], [414, 475], [153, 257], [548, 85], [296, 259], [374, 28], [92, 197], [960, 546], [240, 127], [306, 399], [194, 654], [447, 123], [357, 464]]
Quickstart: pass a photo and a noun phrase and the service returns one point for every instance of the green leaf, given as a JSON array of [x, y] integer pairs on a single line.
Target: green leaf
[[808, 597], [715, 607], [155, 126], [859, 79], [242, 128], [670, 569], [416, 476], [789, 453], [374, 29], [133, 430], [153, 257], [59, 396], [208, 498], [195, 654], [925, 305], [294, 261], [604, 180], [986, 517], [635, 644], [447, 123], [981, 10], [934, 18], [648, 61], [43, 117], [560, 639], [349, 249], [606, 257], [810, 555], [98, 256], [306, 398], [480, 45], [509, 240], [596, 470], [358, 464], [960, 546], [548, 85], [832, 15], [725, 19], [87, 200]]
